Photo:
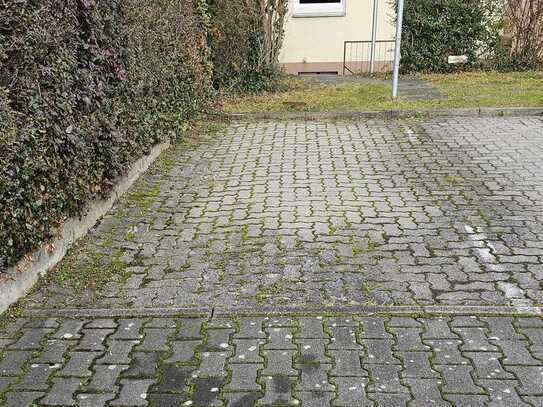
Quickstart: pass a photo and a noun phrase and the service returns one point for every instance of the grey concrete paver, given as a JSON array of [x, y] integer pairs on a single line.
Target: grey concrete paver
[[344, 377], [316, 214], [308, 216]]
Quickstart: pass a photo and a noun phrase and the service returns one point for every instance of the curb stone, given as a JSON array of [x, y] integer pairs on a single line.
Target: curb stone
[[220, 312], [389, 114], [17, 280]]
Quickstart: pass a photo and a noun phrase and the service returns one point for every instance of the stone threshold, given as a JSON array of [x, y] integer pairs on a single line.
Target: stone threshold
[[223, 312]]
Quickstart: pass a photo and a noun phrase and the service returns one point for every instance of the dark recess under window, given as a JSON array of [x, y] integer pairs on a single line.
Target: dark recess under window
[[319, 1]]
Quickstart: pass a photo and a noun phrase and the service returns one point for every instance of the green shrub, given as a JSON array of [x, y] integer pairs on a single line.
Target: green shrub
[[522, 48], [435, 29], [86, 88], [246, 38]]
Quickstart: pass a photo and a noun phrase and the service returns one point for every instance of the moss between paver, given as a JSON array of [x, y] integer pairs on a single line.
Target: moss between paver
[[463, 90], [89, 265]]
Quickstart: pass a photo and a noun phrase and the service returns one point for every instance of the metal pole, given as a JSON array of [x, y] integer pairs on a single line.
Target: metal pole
[[397, 53], [374, 35]]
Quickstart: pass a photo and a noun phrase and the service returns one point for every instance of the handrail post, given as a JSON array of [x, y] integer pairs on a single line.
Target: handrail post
[[344, 56], [374, 35], [397, 51]]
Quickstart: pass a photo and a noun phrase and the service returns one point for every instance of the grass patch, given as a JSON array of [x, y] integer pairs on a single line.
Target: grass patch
[[490, 89], [91, 274], [454, 179], [144, 198], [315, 99], [264, 293], [462, 90]]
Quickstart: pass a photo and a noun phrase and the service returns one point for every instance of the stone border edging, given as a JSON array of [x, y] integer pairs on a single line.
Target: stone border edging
[[17, 280], [310, 311], [388, 114]]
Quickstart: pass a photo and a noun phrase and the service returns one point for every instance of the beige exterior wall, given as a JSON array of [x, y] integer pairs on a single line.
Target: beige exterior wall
[[314, 44]]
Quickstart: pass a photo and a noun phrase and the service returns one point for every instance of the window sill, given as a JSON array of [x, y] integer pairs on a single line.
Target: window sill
[[319, 14]]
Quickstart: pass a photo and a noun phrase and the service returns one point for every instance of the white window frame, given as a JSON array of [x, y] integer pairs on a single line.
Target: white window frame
[[320, 9]]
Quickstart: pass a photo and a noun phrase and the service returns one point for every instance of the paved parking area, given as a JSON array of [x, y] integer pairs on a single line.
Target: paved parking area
[[307, 220], [445, 212]]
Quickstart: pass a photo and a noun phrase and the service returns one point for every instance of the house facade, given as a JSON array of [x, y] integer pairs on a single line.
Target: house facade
[[335, 36]]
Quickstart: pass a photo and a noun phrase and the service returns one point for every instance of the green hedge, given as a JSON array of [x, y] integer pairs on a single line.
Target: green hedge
[[86, 88], [435, 29]]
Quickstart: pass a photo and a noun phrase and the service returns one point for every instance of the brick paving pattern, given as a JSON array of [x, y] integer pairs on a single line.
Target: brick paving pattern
[[315, 216], [265, 361], [328, 214]]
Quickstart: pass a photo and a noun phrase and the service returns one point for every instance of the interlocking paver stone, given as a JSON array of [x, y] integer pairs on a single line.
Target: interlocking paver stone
[[311, 328], [280, 338], [105, 377], [206, 392], [12, 362], [377, 374], [212, 364], [314, 398], [347, 363], [62, 392], [278, 391], [25, 398], [351, 392], [417, 365], [314, 377], [487, 365], [190, 329], [461, 400], [155, 339], [279, 363], [503, 393], [458, 379], [133, 393], [344, 337], [426, 393], [118, 352], [313, 351], [530, 377], [385, 379], [380, 351], [447, 352], [242, 399], [173, 379], [70, 329], [4, 383], [30, 339], [36, 378], [247, 351], [517, 353], [390, 399], [79, 364], [93, 339], [53, 352], [144, 364], [94, 400], [244, 378], [250, 328]]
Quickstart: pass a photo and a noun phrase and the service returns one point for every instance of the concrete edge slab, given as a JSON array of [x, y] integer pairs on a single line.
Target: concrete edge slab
[[388, 114], [118, 312], [17, 280], [433, 310]]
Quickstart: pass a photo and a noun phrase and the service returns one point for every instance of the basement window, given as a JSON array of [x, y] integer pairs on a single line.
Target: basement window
[[319, 8]]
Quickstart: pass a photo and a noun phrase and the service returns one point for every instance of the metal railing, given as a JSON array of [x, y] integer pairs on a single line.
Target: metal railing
[[357, 56]]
